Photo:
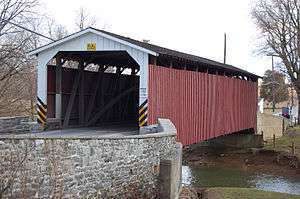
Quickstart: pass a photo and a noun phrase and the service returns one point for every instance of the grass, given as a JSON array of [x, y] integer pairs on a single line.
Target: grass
[[246, 193], [284, 143]]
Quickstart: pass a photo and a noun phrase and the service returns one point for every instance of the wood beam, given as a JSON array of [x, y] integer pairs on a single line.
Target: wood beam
[[58, 91], [155, 61], [134, 71], [120, 70], [171, 63], [117, 90], [72, 99], [101, 70], [81, 106], [110, 104], [63, 62], [152, 60]]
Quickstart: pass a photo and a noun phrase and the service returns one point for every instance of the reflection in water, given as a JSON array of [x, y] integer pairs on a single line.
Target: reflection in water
[[224, 177], [279, 184], [186, 175]]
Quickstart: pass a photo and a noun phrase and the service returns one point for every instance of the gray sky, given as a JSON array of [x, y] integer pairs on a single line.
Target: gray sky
[[191, 26]]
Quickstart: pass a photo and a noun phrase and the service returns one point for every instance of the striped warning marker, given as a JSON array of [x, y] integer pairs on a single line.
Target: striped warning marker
[[42, 112], [143, 111]]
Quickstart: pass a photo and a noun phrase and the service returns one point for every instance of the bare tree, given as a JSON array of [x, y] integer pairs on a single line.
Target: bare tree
[[84, 19], [12, 11], [16, 78], [55, 31], [274, 82], [279, 22]]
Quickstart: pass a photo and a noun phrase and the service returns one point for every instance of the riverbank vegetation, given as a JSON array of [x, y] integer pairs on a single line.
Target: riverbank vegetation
[[245, 193], [266, 161], [269, 160], [263, 160], [232, 193], [286, 143]]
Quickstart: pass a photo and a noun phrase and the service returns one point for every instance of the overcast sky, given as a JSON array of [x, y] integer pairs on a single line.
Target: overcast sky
[[193, 26]]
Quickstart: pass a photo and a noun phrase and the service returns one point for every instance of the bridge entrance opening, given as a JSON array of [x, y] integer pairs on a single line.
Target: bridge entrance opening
[[92, 88]]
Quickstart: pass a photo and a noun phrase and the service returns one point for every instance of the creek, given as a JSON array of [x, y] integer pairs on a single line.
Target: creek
[[204, 176]]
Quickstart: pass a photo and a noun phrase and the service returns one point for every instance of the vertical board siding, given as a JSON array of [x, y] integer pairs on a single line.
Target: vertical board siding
[[201, 105], [51, 82]]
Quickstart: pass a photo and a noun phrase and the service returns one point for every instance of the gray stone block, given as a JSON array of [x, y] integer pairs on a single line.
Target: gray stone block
[[87, 167]]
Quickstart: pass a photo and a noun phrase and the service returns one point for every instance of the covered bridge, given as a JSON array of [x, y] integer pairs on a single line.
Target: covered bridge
[[94, 78]]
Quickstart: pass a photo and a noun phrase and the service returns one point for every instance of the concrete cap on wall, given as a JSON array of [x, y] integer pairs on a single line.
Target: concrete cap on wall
[[166, 125], [165, 129]]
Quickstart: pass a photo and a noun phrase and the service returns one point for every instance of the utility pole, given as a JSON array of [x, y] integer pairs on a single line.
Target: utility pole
[[273, 81], [224, 48]]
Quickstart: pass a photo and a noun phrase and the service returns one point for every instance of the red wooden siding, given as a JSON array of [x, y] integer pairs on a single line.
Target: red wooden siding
[[51, 92], [201, 105]]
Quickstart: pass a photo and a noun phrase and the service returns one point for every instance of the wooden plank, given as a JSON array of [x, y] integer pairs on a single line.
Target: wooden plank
[[101, 70], [110, 104], [58, 79], [72, 99], [81, 94], [122, 70], [155, 61], [117, 91], [114, 91], [126, 103]]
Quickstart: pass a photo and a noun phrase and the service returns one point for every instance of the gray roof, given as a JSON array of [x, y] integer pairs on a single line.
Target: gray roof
[[169, 53], [173, 53]]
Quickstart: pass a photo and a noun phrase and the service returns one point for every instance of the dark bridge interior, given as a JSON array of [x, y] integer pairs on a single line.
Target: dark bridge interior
[[96, 89]]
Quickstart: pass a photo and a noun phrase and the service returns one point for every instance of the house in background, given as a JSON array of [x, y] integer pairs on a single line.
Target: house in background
[[261, 105]]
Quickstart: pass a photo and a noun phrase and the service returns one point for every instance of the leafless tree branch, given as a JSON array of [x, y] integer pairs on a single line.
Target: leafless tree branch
[[279, 22]]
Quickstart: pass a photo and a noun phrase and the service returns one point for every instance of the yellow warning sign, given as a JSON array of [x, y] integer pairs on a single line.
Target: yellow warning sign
[[91, 46]]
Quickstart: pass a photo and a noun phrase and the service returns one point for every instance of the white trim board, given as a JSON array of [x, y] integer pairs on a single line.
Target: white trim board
[[85, 31]]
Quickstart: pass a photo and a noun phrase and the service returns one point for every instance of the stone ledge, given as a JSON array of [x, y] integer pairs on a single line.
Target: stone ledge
[[165, 126], [14, 117]]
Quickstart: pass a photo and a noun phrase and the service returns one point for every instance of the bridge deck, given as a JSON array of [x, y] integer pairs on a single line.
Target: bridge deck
[[90, 131]]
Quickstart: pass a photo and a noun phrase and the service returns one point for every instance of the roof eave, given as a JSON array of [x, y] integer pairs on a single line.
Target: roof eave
[[88, 30], [220, 65]]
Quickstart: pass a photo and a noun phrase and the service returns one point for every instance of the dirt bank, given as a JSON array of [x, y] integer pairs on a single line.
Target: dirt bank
[[267, 161], [232, 193]]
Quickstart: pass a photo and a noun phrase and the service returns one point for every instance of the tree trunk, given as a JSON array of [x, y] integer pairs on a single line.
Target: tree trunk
[[297, 89], [298, 96]]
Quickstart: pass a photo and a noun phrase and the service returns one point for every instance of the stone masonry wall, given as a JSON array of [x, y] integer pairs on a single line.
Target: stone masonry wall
[[19, 124], [270, 125], [126, 167]]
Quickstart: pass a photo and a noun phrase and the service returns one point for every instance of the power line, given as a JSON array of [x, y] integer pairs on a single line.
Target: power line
[[39, 34]]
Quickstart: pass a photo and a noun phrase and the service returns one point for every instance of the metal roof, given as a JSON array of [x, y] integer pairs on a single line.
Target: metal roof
[[161, 51]]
